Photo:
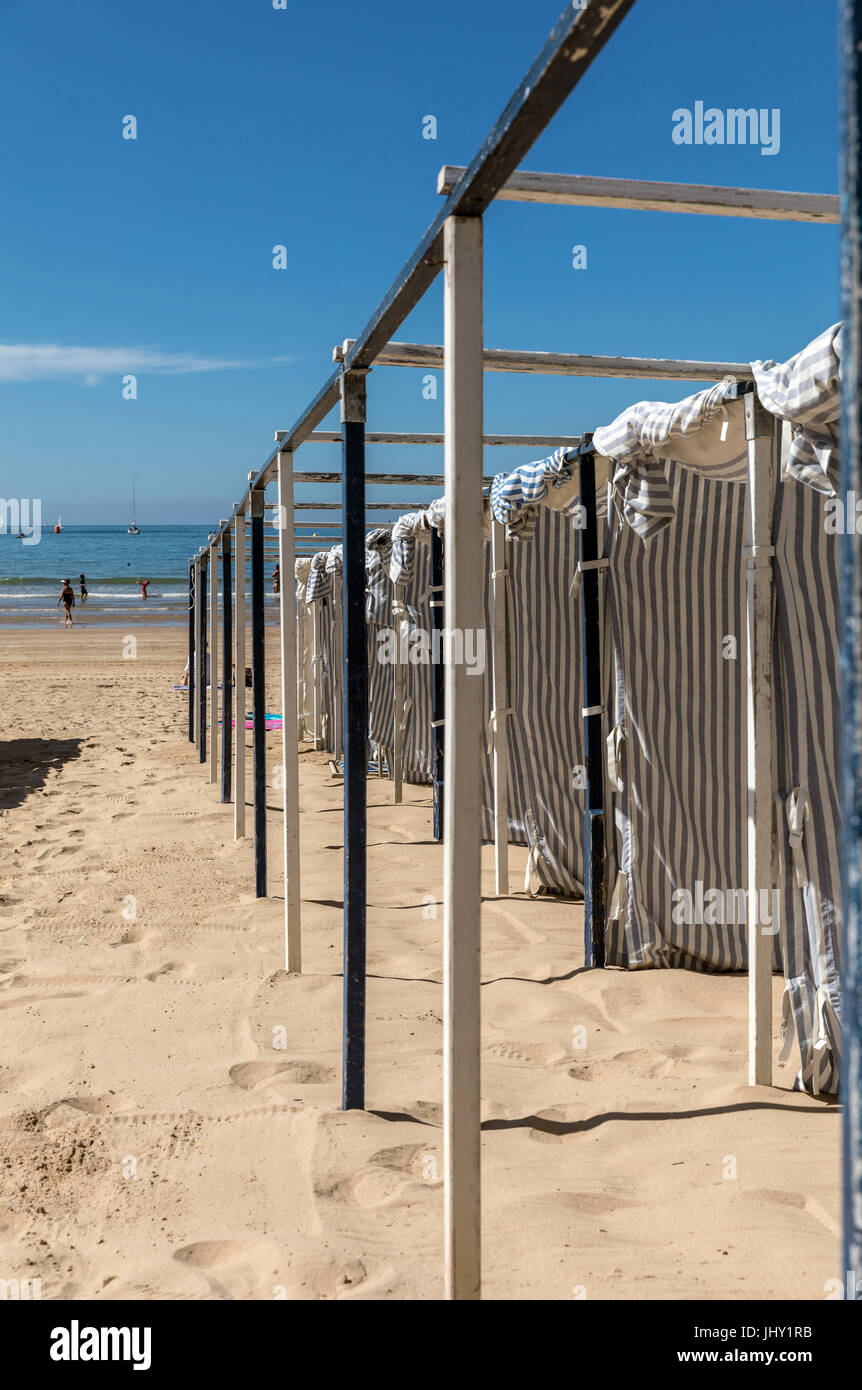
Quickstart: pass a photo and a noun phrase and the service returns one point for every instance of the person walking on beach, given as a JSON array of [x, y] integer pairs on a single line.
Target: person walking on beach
[[83, 588], [67, 598], [145, 584], [276, 580]]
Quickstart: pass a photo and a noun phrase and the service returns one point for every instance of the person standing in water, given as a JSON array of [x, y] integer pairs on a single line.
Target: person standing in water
[[67, 598], [276, 580], [83, 588], [145, 584]]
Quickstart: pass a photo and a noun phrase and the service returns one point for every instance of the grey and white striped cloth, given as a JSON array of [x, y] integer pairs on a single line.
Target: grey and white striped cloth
[[545, 738], [326, 667], [806, 392], [676, 740], [705, 432], [305, 672]]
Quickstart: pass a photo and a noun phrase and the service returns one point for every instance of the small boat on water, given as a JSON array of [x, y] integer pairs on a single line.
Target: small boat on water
[[134, 529], [59, 526]]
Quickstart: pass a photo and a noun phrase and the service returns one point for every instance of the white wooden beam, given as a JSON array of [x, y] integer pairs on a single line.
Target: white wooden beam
[[289, 748], [578, 190], [430, 355], [515, 441], [464, 720], [381, 479], [762, 433], [500, 711], [369, 507], [239, 632]]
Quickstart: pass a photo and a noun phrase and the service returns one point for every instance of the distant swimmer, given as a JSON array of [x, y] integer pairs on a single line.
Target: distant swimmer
[[67, 598], [276, 580], [145, 584], [83, 588]]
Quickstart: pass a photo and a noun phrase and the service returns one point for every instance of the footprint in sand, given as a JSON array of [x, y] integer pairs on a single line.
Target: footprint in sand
[[209, 1254], [638, 1062], [250, 1076], [390, 1176], [255, 1268], [370, 1187], [171, 967], [326, 1279], [71, 1108], [546, 1054], [134, 936], [420, 1161]]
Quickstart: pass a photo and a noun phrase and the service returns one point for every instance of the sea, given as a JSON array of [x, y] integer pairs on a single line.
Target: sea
[[114, 562]]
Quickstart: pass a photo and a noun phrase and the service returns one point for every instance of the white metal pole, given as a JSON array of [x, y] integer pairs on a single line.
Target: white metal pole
[[398, 703], [289, 747], [500, 713], [761, 431], [464, 709], [213, 662], [239, 629]]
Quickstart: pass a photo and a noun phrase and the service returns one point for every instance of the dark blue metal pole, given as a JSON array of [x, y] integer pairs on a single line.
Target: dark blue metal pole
[[851, 646], [227, 703], [438, 679], [201, 657], [594, 820], [191, 652], [355, 688], [258, 692]]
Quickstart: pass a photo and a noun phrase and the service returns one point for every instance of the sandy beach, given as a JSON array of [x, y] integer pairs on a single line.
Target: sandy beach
[[169, 1098]]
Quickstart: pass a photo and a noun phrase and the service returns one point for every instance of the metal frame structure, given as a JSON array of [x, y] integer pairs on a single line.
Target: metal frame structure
[[454, 241]]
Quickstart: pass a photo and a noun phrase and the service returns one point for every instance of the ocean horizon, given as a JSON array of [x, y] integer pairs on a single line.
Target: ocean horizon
[[114, 563]]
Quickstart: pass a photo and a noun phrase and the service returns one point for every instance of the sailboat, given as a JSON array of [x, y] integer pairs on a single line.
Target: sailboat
[[134, 529], [58, 528]]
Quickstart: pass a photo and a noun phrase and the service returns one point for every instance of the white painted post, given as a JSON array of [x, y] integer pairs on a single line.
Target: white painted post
[[213, 662], [500, 712], [398, 703], [239, 630], [289, 748], [464, 383], [762, 434]]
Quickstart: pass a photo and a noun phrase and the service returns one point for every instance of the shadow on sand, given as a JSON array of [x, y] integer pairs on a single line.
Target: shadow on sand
[[26, 762]]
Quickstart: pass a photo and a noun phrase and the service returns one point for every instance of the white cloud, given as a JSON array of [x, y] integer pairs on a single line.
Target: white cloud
[[50, 362]]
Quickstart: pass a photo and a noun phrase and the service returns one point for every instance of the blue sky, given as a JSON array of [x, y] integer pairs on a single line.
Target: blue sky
[[303, 127]]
